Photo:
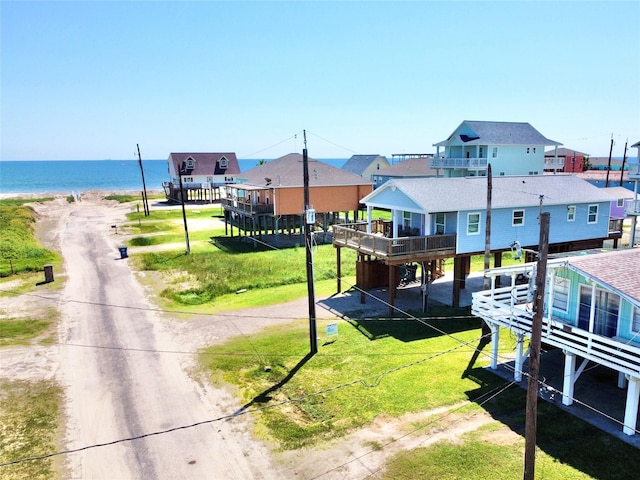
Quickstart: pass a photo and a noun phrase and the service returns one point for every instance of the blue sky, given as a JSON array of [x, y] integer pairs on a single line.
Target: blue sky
[[90, 80]]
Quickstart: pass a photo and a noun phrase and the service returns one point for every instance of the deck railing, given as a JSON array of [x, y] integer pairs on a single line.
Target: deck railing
[[468, 163], [248, 208], [634, 171], [508, 308], [632, 207], [355, 236]]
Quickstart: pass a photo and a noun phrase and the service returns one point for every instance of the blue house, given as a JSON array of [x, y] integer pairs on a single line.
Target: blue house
[[591, 313], [437, 218], [512, 148]]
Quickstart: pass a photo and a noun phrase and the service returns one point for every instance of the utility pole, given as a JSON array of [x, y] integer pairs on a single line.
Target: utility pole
[[534, 351], [145, 201], [309, 218], [606, 183], [184, 214], [487, 234], [624, 160]]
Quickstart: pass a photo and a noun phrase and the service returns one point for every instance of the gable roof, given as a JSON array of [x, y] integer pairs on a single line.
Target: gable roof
[[205, 163], [287, 171], [618, 270], [565, 152], [497, 133], [359, 163], [446, 194], [413, 167], [618, 192]]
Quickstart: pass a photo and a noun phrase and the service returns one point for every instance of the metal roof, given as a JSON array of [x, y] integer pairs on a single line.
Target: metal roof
[[498, 133]]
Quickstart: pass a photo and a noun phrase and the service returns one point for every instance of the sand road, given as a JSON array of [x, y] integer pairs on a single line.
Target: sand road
[[120, 386]]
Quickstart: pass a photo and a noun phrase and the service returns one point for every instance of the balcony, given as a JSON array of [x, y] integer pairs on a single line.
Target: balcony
[[409, 248], [554, 163], [462, 163], [245, 207], [508, 308], [632, 208], [634, 171]]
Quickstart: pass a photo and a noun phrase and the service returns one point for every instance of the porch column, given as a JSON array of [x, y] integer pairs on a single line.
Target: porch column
[[369, 211], [631, 408], [570, 378], [517, 372], [495, 343], [497, 263], [338, 270], [392, 288], [592, 311]]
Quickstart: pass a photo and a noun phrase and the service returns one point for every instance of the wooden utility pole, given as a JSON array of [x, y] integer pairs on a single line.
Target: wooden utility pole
[[606, 183], [184, 214], [487, 230], [145, 201], [534, 351], [624, 160], [308, 225]]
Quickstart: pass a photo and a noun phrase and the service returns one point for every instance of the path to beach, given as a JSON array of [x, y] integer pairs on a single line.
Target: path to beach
[[129, 371]]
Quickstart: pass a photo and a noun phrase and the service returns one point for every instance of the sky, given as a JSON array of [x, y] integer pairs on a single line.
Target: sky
[[84, 80]]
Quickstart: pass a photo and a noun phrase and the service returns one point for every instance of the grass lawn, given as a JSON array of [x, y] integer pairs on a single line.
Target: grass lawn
[[29, 425]]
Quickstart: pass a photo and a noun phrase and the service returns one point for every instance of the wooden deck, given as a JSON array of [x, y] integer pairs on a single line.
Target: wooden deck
[[392, 250]]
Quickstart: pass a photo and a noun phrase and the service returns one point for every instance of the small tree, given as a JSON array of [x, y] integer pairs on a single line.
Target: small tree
[[586, 164]]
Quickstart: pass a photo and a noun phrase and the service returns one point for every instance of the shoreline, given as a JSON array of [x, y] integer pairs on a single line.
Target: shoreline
[[80, 194]]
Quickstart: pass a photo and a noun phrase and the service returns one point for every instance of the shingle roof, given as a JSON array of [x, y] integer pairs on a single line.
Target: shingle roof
[[287, 171], [618, 192], [412, 167], [618, 269], [206, 163], [469, 193], [565, 152], [359, 163], [499, 133]]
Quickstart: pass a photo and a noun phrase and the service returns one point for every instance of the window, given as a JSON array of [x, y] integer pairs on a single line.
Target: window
[[592, 216], [191, 163], [502, 174], [528, 149], [518, 218], [224, 163], [635, 324], [439, 223], [534, 149], [187, 179], [620, 202], [533, 172], [209, 179], [406, 219], [494, 152], [571, 213], [473, 223], [481, 152], [561, 294]]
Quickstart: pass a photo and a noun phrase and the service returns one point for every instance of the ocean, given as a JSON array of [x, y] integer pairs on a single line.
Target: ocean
[[77, 176]]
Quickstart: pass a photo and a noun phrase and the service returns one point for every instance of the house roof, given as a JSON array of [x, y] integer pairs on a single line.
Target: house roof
[[206, 163], [287, 171], [604, 161], [413, 167], [359, 163], [617, 269], [565, 152], [637, 144], [618, 192], [497, 133], [470, 193]]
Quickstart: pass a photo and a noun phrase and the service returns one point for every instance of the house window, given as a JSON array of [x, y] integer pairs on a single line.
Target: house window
[[209, 179], [561, 294], [187, 179], [502, 174], [224, 163], [534, 149], [528, 150], [620, 202], [607, 306], [571, 213], [473, 223], [494, 152], [406, 219], [635, 324], [593, 214], [439, 223], [517, 219], [481, 152], [191, 163]]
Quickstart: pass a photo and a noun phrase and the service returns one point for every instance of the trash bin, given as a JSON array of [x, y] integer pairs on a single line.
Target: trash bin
[[123, 252]]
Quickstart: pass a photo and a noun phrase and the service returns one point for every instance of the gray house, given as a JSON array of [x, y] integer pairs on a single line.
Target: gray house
[[365, 165]]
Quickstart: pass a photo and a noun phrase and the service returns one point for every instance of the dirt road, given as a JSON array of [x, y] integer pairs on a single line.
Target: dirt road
[[120, 386]]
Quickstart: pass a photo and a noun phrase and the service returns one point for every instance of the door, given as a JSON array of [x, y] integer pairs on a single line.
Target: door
[[605, 321]]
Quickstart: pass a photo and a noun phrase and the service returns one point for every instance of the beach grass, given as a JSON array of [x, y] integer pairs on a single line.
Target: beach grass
[[19, 250]]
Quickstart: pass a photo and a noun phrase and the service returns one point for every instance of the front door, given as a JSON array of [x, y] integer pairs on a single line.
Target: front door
[[605, 321]]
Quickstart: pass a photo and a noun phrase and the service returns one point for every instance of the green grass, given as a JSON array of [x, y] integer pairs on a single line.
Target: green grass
[[373, 351], [19, 250], [29, 423], [20, 331]]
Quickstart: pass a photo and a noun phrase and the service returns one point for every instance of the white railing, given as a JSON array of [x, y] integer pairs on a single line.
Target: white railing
[[634, 171], [632, 207], [469, 163], [553, 162], [504, 307]]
